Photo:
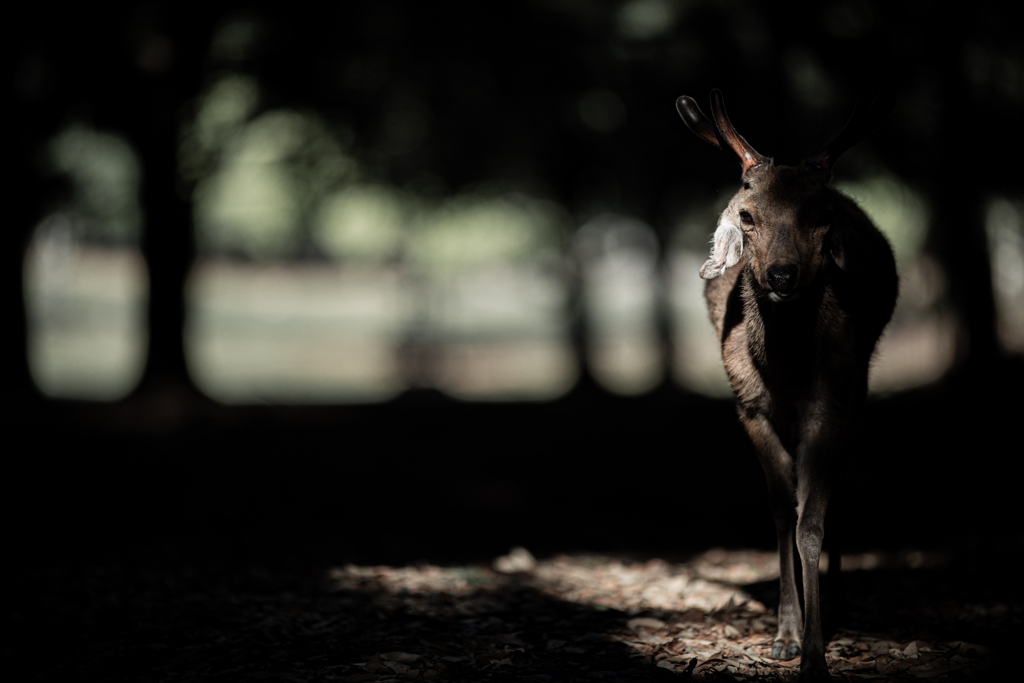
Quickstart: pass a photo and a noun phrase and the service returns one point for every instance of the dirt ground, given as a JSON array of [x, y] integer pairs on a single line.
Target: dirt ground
[[910, 616], [375, 543]]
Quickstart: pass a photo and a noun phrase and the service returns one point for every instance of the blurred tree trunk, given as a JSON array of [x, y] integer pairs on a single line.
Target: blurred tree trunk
[[663, 316], [580, 336], [169, 74], [17, 380], [169, 249], [34, 116], [958, 232]]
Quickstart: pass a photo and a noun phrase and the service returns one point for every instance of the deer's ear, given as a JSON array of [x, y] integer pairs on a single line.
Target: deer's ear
[[726, 250], [695, 120]]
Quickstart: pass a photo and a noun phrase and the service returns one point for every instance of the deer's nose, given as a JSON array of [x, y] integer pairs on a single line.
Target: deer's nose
[[782, 279]]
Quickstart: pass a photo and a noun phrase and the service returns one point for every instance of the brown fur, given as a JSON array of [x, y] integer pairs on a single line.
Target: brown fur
[[797, 356]]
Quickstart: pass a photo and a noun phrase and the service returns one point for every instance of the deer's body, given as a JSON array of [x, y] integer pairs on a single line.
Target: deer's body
[[800, 286], [782, 354]]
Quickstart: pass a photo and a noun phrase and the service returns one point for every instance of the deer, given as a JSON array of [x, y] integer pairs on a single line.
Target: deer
[[800, 285]]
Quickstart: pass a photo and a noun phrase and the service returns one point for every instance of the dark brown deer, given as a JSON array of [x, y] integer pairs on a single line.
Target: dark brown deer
[[800, 287]]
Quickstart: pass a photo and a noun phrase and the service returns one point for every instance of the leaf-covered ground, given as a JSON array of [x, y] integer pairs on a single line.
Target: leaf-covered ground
[[564, 618]]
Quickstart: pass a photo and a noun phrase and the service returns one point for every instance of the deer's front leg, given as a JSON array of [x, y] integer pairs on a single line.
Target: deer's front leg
[[778, 468], [815, 462]]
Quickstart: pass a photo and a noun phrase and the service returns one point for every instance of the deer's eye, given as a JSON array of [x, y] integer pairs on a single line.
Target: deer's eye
[[746, 218]]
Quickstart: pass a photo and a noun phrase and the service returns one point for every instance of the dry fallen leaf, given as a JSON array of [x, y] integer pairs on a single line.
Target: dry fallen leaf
[[510, 639], [519, 560], [404, 657], [692, 615], [645, 623]]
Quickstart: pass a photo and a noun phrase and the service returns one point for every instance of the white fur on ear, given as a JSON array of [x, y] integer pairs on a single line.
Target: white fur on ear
[[726, 249]]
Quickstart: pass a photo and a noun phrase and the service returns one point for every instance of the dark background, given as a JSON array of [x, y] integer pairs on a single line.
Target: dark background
[[167, 476]]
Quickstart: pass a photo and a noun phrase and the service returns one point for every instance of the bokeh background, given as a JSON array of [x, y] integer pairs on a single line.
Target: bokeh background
[[382, 281]]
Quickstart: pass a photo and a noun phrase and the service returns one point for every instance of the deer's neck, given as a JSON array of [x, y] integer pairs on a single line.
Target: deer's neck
[[783, 336]]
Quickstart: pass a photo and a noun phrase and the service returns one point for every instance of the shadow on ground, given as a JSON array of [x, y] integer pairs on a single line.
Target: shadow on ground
[[196, 541]]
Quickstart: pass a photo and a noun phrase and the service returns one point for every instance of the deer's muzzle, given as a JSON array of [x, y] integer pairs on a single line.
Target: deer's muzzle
[[782, 280]]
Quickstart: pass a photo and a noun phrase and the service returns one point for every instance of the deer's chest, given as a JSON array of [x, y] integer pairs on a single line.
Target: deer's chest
[[778, 360]]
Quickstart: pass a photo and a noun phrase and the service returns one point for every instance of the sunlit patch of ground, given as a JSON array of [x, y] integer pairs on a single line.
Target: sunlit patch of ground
[[691, 619]]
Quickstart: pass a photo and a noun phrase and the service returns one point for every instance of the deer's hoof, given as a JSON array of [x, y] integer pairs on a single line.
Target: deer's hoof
[[781, 650]]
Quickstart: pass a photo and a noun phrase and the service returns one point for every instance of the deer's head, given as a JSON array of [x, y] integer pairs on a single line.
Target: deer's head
[[784, 217]]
